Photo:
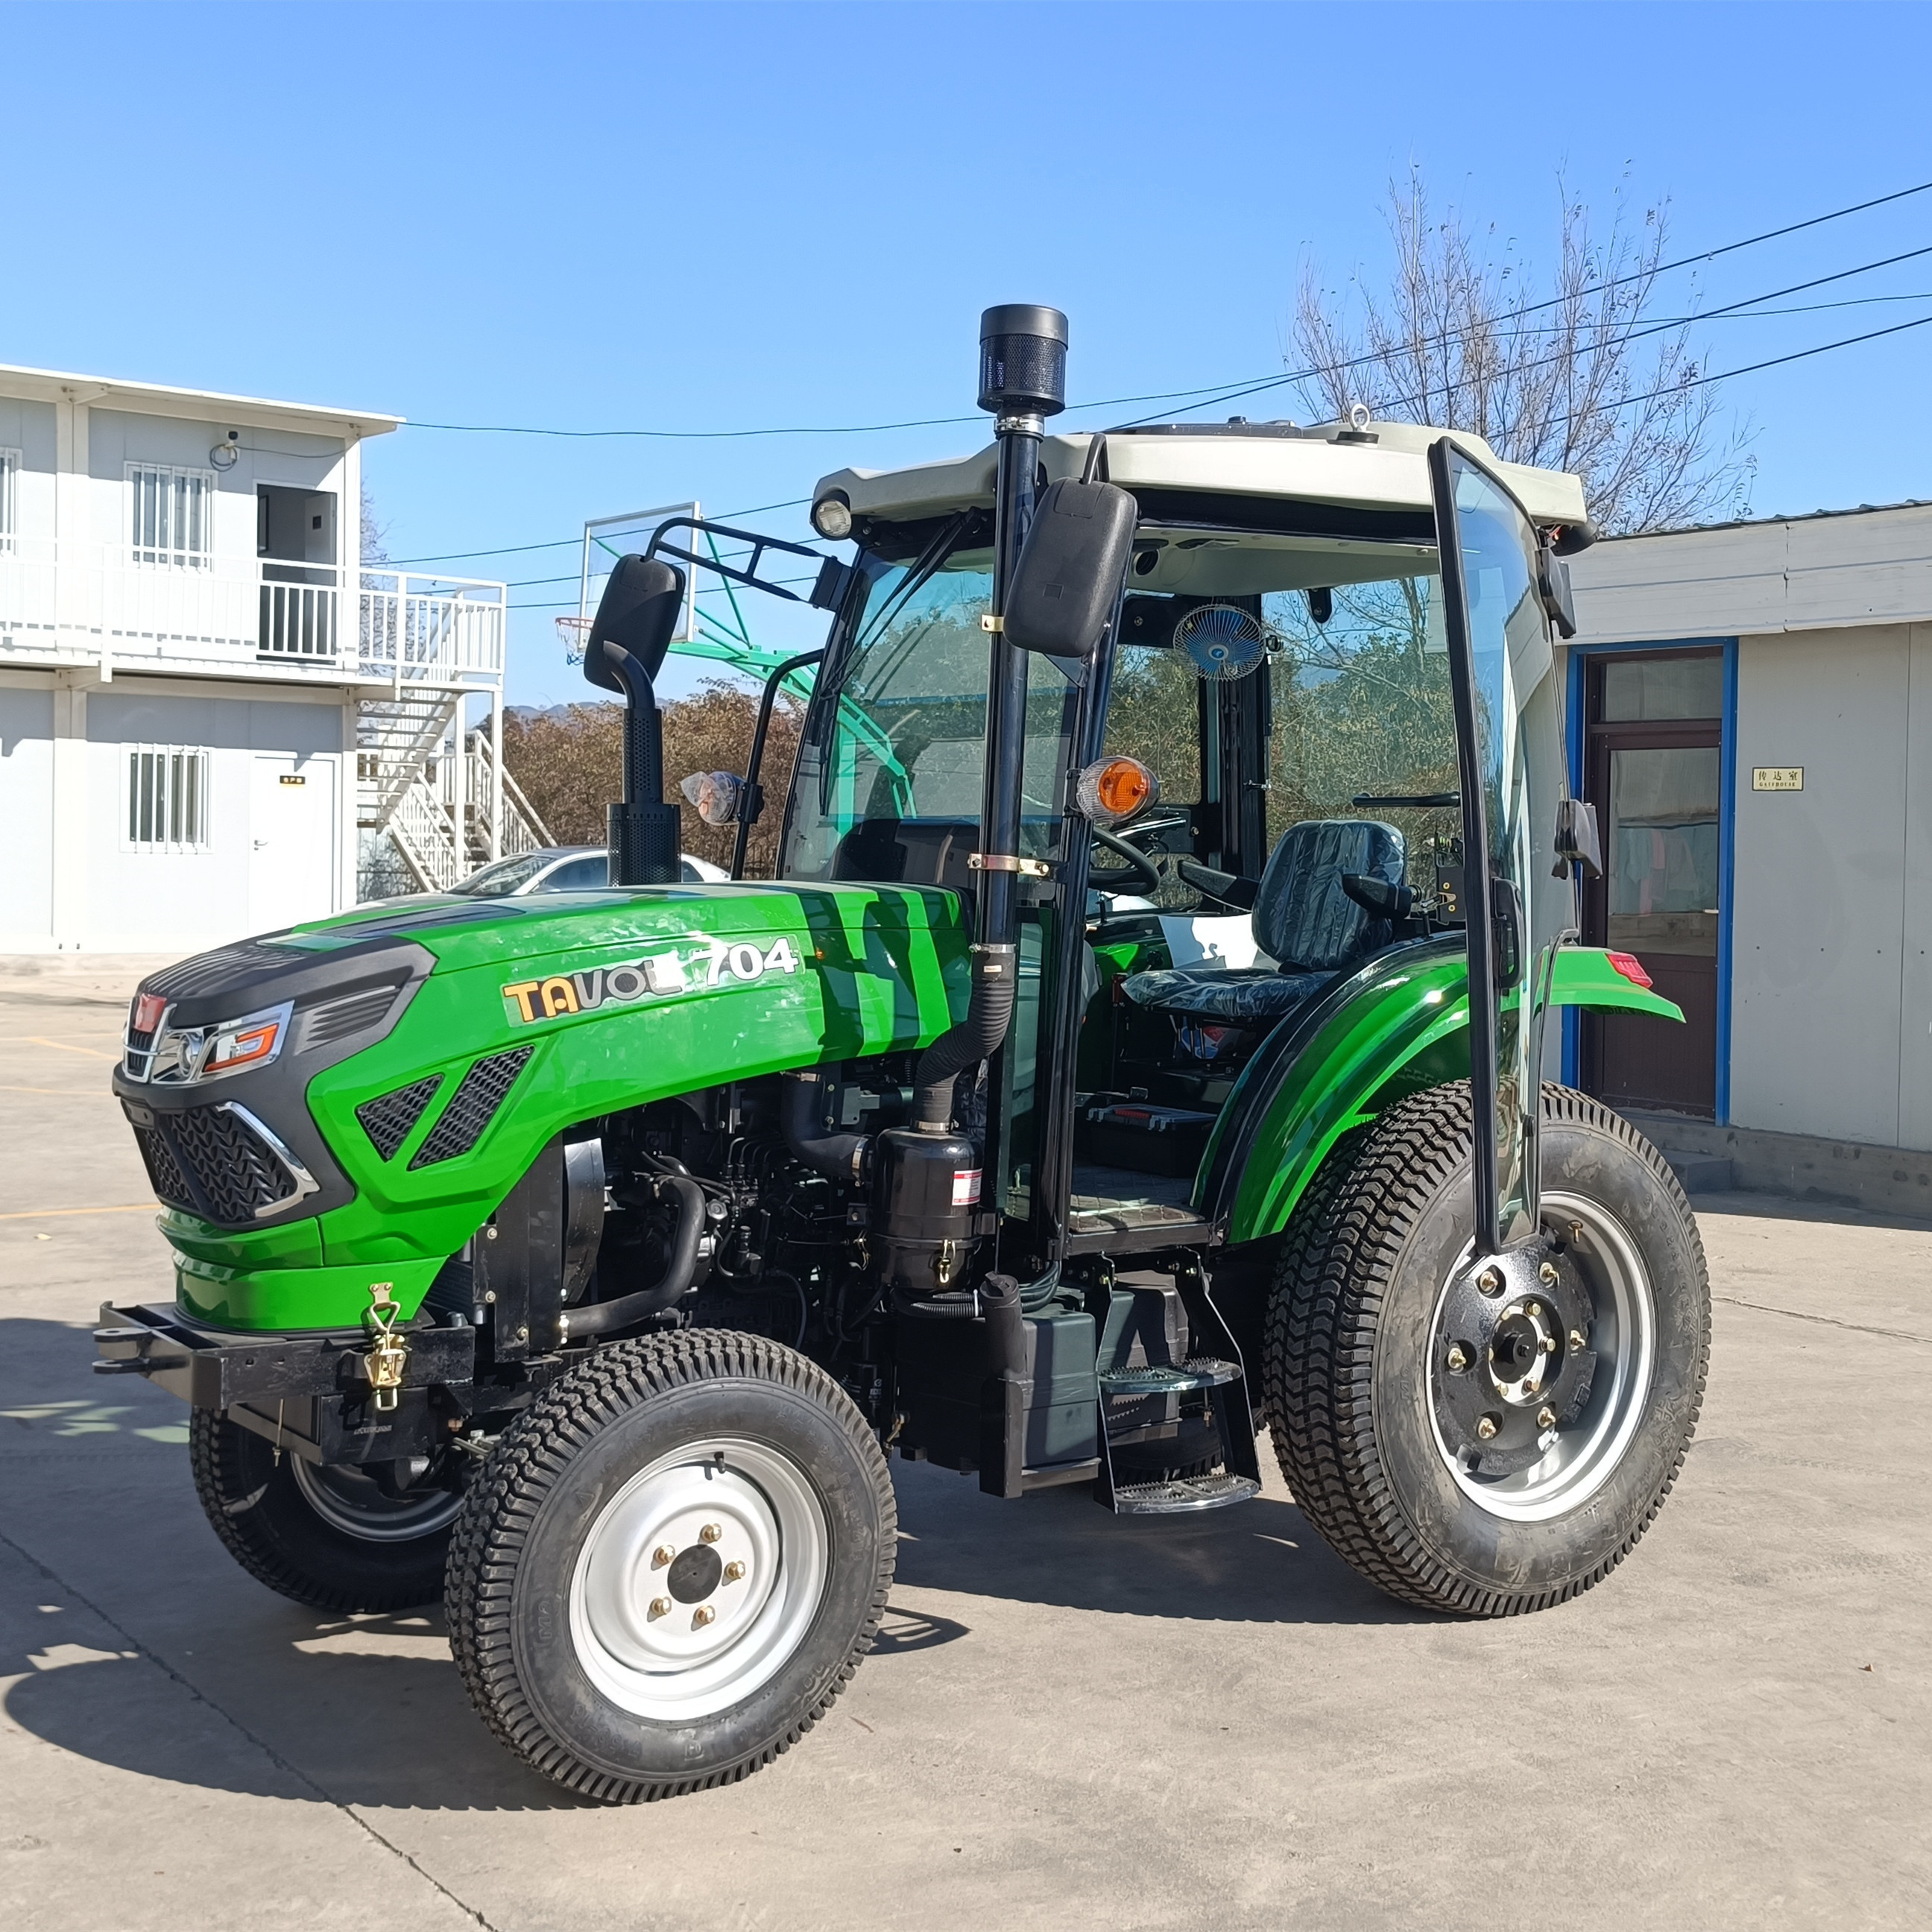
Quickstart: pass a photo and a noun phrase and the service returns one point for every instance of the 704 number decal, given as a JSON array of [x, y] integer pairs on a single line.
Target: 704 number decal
[[738, 961]]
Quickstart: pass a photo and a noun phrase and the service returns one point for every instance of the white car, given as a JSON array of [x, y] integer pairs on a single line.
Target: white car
[[563, 868]]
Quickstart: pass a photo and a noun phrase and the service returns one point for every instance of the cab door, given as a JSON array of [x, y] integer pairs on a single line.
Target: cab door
[[1503, 688]]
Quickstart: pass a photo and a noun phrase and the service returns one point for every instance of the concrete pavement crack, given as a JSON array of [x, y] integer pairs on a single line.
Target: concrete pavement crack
[[1824, 1321], [262, 1744]]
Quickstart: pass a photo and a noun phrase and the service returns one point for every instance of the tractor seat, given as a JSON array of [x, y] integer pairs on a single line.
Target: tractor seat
[[1302, 917]]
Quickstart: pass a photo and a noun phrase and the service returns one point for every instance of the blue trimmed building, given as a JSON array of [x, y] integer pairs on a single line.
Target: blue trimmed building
[[1750, 707]]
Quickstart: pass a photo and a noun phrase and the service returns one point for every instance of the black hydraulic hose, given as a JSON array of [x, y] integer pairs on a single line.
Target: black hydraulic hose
[[975, 1038], [801, 1121], [600, 1318]]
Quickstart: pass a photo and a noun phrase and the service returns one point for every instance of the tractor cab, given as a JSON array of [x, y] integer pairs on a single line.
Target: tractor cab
[[1245, 798]]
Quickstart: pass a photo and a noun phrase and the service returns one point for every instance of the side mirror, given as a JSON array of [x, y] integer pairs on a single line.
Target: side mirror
[[638, 612], [1577, 841], [1068, 575], [1552, 589]]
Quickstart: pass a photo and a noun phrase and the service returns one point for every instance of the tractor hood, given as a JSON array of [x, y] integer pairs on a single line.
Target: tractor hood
[[364, 1090]]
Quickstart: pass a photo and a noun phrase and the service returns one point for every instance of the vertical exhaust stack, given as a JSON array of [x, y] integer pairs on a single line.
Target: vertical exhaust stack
[[635, 618], [1022, 381]]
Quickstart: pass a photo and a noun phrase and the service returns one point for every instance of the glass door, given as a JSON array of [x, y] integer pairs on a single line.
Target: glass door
[[1500, 664]]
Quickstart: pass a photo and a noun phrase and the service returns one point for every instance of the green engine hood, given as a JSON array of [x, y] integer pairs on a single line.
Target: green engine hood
[[607, 1000]]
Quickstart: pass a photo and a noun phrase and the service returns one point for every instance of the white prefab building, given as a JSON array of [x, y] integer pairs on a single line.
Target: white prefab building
[[1750, 710], [215, 718]]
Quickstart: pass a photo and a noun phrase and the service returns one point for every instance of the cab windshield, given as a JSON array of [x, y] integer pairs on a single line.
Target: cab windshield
[[889, 777]]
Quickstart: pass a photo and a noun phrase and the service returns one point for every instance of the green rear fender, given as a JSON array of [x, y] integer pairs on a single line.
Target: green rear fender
[[1399, 1025]]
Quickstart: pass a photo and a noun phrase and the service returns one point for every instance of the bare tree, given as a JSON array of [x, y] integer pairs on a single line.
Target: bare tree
[[569, 763], [375, 534], [1583, 375]]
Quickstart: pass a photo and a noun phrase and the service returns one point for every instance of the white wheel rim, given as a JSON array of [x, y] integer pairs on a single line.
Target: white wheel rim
[[348, 1500], [722, 1504], [1580, 1459]]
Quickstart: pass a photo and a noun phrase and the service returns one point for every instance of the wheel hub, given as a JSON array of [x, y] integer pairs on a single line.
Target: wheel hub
[[698, 1578], [1511, 1365]]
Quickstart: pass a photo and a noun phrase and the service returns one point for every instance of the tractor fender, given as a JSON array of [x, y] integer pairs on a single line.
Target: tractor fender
[[1398, 1025]]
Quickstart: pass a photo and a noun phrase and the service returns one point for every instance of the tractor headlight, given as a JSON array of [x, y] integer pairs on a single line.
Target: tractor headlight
[[181, 1055], [832, 516]]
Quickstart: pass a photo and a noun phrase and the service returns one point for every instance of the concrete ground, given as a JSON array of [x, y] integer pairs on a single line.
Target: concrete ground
[[1073, 1719]]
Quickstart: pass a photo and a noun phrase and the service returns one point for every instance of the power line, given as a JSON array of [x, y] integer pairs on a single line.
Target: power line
[[1751, 368], [1250, 387], [570, 543]]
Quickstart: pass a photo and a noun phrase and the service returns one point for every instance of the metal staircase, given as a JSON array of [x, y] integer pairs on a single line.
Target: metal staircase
[[432, 801]]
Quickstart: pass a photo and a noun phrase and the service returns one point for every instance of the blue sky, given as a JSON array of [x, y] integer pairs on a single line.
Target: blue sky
[[728, 216]]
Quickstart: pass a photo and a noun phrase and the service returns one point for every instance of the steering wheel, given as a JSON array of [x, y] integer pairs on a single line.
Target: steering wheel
[[1138, 865]]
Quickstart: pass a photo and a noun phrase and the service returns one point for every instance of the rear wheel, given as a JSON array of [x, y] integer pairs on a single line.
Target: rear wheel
[[671, 1565], [1487, 1441], [328, 1537]]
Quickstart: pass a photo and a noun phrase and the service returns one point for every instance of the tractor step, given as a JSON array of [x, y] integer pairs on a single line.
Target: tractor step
[[1199, 1372], [1179, 1495]]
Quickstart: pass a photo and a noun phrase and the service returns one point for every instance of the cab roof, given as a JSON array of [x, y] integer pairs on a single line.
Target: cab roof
[[1238, 508]]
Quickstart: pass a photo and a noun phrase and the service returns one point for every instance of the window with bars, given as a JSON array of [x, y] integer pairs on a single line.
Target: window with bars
[[167, 799], [10, 476], [173, 519]]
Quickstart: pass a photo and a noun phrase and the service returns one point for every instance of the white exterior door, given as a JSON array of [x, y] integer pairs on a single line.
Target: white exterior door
[[292, 868]]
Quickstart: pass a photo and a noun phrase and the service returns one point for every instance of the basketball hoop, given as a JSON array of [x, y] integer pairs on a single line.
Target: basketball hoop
[[573, 633]]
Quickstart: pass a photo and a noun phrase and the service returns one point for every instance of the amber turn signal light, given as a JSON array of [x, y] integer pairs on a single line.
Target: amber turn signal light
[[1110, 790]]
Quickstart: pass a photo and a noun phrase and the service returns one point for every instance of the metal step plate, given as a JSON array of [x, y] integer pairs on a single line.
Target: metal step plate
[[1180, 1495], [1198, 1371]]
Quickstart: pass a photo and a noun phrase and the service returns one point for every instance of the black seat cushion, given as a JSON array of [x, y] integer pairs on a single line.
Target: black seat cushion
[[1302, 917]]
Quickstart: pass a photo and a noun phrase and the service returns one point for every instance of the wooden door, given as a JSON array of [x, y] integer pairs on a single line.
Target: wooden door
[[1654, 751]]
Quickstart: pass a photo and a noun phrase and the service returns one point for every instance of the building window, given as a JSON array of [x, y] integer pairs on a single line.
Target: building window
[[167, 799], [173, 515], [9, 474]]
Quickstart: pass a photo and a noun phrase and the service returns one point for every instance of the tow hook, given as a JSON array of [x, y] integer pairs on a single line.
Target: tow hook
[[388, 1353]]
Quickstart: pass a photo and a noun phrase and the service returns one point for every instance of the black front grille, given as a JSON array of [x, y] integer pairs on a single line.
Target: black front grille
[[164, 1173], [388, 1119], [472, 1107], [206, 1161]]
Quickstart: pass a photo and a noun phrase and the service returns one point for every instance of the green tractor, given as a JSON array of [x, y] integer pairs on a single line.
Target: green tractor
[[1140, 1046]]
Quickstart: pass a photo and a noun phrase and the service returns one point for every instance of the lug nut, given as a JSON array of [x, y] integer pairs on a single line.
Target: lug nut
[[1547, 1274], [1490, 1281], [1534, 1311], [1576, 1341], [704, 1614], [1546, 1344], [734, 1572], [1486, 1427], [1458, 1357], [660, 1606], [710, 1533], [661, 1555], [1545, 1417]]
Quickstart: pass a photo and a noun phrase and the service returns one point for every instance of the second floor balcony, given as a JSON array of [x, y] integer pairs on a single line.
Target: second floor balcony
[[70, 604]]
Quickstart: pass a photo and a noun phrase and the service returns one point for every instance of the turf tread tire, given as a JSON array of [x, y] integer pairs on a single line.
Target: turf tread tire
[[268, 1529], [1334, 1278], [501, 1509]]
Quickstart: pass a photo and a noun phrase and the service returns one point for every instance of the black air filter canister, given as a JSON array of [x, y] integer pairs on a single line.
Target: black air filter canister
[[1023, 360], [926, 1188]]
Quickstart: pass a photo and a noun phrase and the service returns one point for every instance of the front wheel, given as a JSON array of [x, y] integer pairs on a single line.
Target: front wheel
[[1488, 1440], [327, 1536], [671, 1565]]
